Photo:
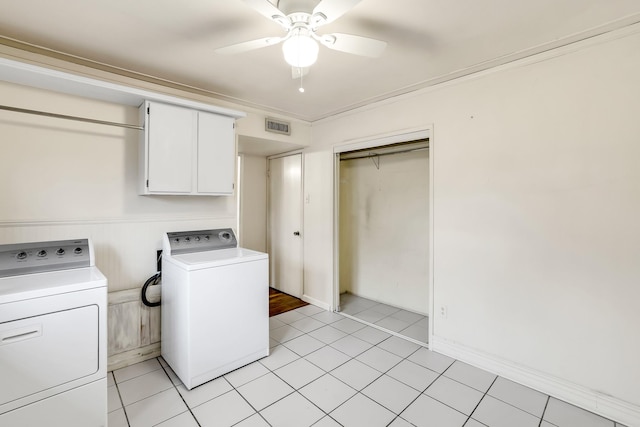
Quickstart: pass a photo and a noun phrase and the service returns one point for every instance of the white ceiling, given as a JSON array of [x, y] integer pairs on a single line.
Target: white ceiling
[[428, 41]]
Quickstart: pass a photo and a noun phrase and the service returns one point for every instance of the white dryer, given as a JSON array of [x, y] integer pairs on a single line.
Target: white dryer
[[215, 304], [53, 345]]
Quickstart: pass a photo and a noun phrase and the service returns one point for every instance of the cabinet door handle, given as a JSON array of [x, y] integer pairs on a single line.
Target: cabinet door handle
[[296, 233]]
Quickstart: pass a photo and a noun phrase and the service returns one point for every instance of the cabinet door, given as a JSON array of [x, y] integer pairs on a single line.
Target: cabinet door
[[216, 154], [171, 148]]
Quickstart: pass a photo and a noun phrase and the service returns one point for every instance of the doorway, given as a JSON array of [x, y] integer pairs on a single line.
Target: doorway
[[284, 230], [383, 226]]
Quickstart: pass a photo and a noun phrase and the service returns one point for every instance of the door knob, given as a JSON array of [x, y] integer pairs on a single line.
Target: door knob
[[296, 233]]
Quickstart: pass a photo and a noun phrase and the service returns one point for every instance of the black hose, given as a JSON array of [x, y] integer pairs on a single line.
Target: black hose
[[153, 280]]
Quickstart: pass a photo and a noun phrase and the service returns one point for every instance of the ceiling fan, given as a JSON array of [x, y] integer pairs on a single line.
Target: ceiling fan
[[301, 19]]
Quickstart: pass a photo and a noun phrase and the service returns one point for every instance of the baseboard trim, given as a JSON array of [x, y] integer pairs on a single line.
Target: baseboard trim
[[316, 302], [121, 360], [591, 400]]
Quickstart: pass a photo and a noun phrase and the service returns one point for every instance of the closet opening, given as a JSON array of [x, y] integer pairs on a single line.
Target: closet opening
[[383, 232]]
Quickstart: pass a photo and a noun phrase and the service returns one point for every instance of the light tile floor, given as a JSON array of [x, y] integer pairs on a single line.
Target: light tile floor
[[335, 371], [394, 319]]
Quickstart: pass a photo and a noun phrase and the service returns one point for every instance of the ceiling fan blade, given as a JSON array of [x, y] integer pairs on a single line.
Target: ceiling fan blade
[[267, 9], [358, 45], [250, 45], [333, 9]]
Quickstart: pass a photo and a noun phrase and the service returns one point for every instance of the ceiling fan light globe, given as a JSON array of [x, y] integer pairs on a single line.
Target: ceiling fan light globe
[[300, 51]]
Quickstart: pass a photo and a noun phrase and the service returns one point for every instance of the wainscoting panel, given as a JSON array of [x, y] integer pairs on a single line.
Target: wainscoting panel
[[133, 328]]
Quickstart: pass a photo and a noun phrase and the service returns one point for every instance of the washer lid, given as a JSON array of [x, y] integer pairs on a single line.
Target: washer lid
[[216, 258], [27, 286]]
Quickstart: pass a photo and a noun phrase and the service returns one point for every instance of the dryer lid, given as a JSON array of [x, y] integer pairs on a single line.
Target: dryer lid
[[38, 285]]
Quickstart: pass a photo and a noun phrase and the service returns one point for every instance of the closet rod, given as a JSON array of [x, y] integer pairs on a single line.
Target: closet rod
[[62, 116], [374, 154]]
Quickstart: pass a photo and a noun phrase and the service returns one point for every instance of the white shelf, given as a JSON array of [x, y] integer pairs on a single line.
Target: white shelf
[[60, 81]]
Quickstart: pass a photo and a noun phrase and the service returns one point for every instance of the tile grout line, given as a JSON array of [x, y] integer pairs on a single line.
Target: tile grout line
[[483, 396], [355, 315], [516, 407], [179, 394], [544, 410], [496, 398], [249, 403], [146, 397], [374, 324], [126, 416], [387, 330], [441, 374]]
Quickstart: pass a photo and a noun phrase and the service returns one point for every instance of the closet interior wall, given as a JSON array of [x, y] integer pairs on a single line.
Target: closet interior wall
[[384, 228]]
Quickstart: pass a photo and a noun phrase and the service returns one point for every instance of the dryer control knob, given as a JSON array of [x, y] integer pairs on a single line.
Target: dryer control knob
[[60, 251], [42, 253], [77, 251], [21, 255]]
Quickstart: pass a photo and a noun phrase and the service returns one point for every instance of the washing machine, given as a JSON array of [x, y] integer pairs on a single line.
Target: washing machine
[[53, 325], [215, 304]]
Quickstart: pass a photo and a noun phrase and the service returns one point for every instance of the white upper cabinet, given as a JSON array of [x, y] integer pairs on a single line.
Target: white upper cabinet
[[216, 154], [185, 151]]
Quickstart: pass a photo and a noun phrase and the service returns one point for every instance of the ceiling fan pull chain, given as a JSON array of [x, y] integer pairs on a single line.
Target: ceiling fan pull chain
[[301, 89]]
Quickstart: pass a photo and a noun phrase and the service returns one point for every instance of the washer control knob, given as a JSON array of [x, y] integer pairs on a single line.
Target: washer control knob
[[206, 237], [60, 252], [42, 253], [77, 251], [187, 239], [21, 255], [197, 238], [176, 240]]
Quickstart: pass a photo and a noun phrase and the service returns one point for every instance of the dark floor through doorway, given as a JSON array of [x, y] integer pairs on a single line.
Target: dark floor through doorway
[[279, 302]]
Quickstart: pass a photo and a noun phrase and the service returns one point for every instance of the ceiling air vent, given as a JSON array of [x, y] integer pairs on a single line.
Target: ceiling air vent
[[277, 126]]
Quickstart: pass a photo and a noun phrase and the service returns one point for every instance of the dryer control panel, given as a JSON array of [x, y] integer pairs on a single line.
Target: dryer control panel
[[183, 242], [38, 257]]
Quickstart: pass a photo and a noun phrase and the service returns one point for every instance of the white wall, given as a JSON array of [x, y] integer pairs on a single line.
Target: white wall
[[253, 202], [63, 179], [71, 179], [384, 229], [536, 207]]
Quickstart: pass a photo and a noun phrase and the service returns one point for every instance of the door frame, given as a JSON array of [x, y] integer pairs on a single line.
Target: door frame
[[277, 156], [372, 142]]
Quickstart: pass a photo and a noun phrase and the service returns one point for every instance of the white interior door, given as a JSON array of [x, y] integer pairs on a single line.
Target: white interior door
[[285, 224]]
